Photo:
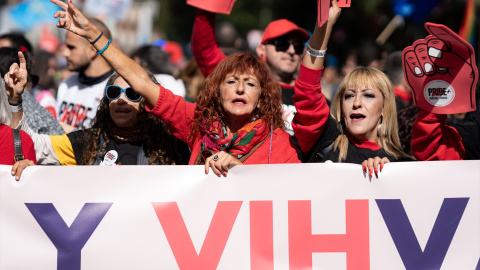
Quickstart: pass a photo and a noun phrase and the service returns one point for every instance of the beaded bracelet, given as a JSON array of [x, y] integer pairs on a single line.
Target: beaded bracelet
[[93, 42], [106, 46], [316, 53]]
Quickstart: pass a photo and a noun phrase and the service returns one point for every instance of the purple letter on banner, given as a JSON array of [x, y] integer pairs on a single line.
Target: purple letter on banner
[[69, 241], [439, 240]]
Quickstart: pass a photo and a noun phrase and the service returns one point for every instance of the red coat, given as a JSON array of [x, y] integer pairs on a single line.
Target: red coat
[[433, 140], [204, 46], [178, 116], [6, 146]]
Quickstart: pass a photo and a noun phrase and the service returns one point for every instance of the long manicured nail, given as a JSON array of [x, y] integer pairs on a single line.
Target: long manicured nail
[[364, 168], [206, 172], [370, 173], [381, 167], [225, 175]]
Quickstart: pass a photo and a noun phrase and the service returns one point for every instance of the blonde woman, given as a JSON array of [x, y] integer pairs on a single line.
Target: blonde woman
[[361, 126]]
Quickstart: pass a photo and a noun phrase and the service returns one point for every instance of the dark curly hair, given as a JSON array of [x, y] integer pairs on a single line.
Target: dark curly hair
[[160, 146], [406, 119], [209, 104]]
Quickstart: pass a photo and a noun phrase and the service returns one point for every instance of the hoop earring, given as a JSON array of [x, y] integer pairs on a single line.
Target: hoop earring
[[379, 127], [339, 127]]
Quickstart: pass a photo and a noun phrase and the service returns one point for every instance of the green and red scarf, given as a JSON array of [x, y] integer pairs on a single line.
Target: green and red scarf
[[239, 144]]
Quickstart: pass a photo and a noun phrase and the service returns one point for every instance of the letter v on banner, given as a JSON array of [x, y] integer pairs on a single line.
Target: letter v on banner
[[440, 238], [355, 242], [69, 241], [179, 239]]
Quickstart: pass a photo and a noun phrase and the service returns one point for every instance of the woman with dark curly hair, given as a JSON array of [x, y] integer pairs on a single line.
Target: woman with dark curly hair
[[123, 133], [238, 116]]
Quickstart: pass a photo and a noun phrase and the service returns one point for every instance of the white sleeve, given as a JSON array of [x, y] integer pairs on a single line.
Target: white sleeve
[[43, 145]]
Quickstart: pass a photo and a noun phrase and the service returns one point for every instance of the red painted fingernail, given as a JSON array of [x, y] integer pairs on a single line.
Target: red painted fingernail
[[225, 175], [206, 171], [381, 167], [376, 171], [370, 173], [364, 168]]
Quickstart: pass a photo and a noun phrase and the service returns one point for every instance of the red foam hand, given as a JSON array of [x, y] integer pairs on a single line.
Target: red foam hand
[[441, 71]]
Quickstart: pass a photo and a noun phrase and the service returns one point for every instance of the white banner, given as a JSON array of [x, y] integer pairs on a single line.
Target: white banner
[[417, 215]]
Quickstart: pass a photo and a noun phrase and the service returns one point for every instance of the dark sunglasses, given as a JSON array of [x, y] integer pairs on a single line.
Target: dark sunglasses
[[283, 45], [113, 92]]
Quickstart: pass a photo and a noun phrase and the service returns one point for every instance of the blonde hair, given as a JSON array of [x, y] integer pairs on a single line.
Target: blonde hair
[[387, 136], [5, 112]]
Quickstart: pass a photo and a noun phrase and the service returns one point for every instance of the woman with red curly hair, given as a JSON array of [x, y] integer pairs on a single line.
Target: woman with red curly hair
[[238, 116]]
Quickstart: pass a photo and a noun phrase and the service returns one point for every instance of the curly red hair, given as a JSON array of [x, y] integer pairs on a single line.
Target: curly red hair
[[209, 107]]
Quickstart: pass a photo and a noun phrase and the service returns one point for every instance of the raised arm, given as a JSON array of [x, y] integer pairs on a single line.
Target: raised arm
[[312, 108], [15, 81], [74, 21], [320, 37], [204, 45]]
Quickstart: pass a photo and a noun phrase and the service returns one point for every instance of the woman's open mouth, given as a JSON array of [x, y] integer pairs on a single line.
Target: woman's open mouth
[[357, 117], [239, 101]]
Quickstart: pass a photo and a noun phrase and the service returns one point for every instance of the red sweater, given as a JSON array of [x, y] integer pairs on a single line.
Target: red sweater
[[433, 140], [312, 108], [7, 149], [178, 116], [204, 45]]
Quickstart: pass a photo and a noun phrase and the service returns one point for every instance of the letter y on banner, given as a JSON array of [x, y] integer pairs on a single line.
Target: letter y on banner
[[69, 241]]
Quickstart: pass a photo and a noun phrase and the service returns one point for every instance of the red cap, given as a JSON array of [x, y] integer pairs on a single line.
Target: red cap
[[282, 27]]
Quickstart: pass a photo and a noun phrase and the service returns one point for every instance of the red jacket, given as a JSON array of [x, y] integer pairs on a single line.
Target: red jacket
[[433, 140], [312, 108], [178, 116], [6, 145], [204, 46]]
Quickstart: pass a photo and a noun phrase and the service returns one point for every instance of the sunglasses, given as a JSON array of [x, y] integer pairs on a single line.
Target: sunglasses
[[283, 45], [113, 92]]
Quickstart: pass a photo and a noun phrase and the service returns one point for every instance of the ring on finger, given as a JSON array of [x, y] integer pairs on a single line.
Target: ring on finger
[[215, 158]]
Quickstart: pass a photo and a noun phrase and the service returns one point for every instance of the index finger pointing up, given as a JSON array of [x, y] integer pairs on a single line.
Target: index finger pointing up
[[60, 4], [23, 62]]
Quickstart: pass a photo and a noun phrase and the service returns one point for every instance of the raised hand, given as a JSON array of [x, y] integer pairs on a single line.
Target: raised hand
[[441, 71], [16, 79], [72, 19]]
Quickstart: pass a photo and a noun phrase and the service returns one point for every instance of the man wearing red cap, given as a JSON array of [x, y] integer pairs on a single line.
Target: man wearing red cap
[[281, 48]]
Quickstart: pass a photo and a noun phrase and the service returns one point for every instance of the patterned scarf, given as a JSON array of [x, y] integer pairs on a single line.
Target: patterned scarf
[[130, 134], [238, 144]]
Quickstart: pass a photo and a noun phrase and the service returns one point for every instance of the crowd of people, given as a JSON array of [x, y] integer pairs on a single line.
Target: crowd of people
[[262, 106]]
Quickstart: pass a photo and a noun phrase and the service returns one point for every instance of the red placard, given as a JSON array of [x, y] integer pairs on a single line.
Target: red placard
[[344, 3], [324, 5], [216, 6]]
